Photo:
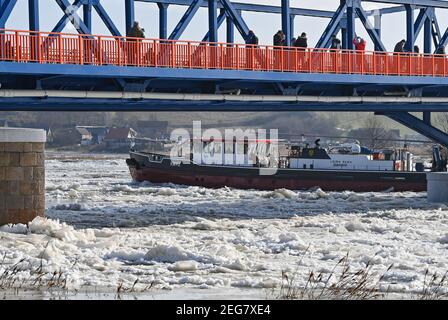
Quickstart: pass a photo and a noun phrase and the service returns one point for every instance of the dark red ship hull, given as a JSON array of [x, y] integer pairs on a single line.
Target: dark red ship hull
[[294, 179]]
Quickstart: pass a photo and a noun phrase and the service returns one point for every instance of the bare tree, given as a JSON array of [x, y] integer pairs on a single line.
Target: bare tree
[[376, 134], [441, 121]]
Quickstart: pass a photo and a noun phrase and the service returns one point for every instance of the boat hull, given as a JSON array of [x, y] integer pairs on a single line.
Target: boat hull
[[142, 169]]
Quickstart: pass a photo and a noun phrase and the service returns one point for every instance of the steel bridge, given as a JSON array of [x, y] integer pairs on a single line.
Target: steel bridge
[[50, 70]]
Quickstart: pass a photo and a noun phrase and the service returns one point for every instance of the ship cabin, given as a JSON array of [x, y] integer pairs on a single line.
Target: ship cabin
[[245, 152], [349, 156], [270, 153]]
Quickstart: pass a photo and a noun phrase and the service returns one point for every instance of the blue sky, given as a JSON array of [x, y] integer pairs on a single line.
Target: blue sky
[[265, 25]]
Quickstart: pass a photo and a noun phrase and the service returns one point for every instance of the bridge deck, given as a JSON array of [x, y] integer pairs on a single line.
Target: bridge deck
[[76, 49]]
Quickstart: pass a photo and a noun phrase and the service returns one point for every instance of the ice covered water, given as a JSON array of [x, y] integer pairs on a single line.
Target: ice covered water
[[103, 230]]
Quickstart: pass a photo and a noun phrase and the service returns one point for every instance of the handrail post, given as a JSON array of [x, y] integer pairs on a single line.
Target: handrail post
[[253, 58], [221, 55], [207, 54], [60, 49], [421, 65], [267, 55], [296, 61], [387, 64], [119, 40], [81, 50], [237, 57], [190, 58], [444, 65], [39, 51], [350, 62], [16, 36], [156, 53], [100, 51], [433, 66], [282, 61]]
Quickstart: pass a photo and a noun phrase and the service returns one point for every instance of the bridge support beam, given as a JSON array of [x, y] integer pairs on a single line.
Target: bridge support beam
[[5, 11], [350, 35], [427, 117], [410, 35], [220, 20], [212, 21], [377, 21], [333, 26], [33, 14], [230, 37], [163, 20], [87, 15], [286, 21], [423, 127], [129, 9], [427, 37]]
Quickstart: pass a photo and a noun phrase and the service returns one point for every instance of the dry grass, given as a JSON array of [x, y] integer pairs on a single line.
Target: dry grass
[[36, 278], [435, 286], [344, 283], [123, 290], [341, 283]]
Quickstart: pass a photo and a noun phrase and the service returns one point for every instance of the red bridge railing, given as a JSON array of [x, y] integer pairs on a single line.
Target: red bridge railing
[[61, 48]]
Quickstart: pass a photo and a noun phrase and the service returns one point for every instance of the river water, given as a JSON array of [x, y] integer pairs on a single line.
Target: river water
[[104, 233]]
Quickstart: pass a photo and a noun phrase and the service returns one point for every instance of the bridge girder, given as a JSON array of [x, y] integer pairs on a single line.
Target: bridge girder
[[420, 16], [339, 20]]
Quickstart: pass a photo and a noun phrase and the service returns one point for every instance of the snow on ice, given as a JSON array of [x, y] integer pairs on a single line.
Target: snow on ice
[[102, 229]]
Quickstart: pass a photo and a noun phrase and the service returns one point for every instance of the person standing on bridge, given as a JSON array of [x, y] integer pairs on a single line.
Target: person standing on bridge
[[278, 41], [335, 49], [335, 43], [251, 49], [135, 34], [360, 47], [279, 38], [301, 43], [399, 47]]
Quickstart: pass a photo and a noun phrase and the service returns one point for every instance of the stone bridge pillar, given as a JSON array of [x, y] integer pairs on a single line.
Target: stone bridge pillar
[[22, 174]]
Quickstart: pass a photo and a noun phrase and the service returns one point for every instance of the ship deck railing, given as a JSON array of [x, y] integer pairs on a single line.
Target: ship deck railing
[[23, 46]]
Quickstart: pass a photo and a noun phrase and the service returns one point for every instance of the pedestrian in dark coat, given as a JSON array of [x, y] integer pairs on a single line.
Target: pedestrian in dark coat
[[302, 41]]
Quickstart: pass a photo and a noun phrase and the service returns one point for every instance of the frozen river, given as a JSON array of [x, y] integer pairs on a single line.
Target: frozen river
[[103, 232]]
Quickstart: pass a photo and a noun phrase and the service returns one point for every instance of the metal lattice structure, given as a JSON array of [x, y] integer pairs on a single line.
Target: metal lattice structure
[[55, 71]]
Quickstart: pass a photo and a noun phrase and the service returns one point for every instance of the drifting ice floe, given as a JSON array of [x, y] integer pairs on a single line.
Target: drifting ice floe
[[102, 229]]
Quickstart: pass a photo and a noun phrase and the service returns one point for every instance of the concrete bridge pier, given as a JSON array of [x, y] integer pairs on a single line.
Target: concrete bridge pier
[[437, 187], [22, 174]]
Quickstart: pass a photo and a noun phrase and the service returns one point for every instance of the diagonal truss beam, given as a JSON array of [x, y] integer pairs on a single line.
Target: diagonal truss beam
[[65, 20], [332, 27], [419, 126], [221, 18], [70, 13], [106, 19], [236, 17], [443, 41], [436, 34], [185, 20], [420, 21], [5, 10], [370, 29]]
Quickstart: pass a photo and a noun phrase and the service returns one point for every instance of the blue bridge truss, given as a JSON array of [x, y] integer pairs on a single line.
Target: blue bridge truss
[[35, 85]]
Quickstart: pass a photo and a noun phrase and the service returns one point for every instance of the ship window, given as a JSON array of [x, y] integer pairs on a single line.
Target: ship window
[[218, 147], [229, 147], [240, 147], [246, 146]]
